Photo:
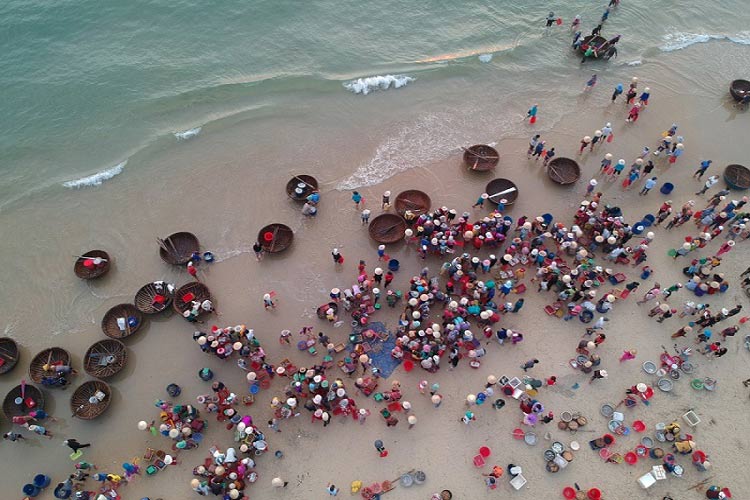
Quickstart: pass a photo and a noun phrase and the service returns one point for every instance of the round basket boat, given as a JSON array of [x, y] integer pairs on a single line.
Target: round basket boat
[[186, 294], [300, 187], [178, 248], [387, 228], [563, 171], [414, 201], [599, 43], [130, 313], [90, 399], [8, 354], [153, 298], [105, 358], [275, 237], [29, 394], [481, 158], [92, 264], [737, 177], [502, 189], [739, 89], [42, 365]]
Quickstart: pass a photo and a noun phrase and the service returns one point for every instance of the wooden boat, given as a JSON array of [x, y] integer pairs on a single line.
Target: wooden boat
[[306, 183], [563, 171], [497, 188], [105, 358], [27, 392], [87, 267], [737, 177], [146, 298], [481, 157], [90, 399], [387, 228], [276, 237], [109, 323], [599, 42], [43, 364], [8, 354], [415, 201], [186, 294], [178, 248], [739, 89]]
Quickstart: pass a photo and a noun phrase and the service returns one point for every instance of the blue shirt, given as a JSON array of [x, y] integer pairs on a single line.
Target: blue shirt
[[650, 184]]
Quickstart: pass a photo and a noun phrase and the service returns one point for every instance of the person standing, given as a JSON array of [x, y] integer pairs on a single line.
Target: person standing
[[386, 202], [643, 99], [598, 374], [591, 83], [709, 184], [550, 19], [648, 186], [258, 249], [365, 215], [532, 145], [702, 169], [337, 257], [549, 154], [618, 90], [538, 149], [529, 364], [531, 113], [356, 198]]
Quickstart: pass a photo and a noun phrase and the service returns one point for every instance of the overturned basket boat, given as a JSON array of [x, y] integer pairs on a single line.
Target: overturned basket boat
[[415, 201], [43, 364], [300, 187], [275, 237], [739, 89], [92, 264], [186, 294], [90, 399], [387, 228], [481, 157], [563, 171], [178, 248], [105, 358], [8, 354], [31, 399], [153, 298], [737, 177], [116, 329], [502, 189]]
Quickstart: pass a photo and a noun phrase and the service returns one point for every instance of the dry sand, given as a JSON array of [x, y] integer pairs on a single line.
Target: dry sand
[[440, 445]]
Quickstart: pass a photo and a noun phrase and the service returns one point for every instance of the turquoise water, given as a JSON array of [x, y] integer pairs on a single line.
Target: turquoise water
[[88, 85]]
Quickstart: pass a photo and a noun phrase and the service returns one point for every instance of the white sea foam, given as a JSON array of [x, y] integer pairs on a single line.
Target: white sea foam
[[637, 62], [188, 134], [380, 82], [485, 58], [682, 40], [96, 179]]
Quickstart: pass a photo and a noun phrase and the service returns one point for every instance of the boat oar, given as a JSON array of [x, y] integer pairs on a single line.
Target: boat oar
[[477, 155], [509, 190], [90, 257]]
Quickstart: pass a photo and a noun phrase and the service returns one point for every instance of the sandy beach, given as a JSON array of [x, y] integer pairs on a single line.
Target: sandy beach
[[225, 202]]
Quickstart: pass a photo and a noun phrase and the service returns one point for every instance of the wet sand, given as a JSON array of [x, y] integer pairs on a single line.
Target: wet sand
[[164, 352]]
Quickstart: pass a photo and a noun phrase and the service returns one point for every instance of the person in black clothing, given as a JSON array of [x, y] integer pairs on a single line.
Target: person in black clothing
[[74, 445]]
